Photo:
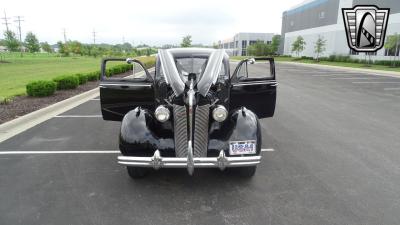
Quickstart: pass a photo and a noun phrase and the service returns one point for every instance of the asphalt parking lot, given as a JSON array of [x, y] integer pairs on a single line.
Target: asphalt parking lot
[[336, 161]]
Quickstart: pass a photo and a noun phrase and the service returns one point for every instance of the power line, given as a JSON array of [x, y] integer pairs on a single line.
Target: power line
[[5, 18], [19, 20]]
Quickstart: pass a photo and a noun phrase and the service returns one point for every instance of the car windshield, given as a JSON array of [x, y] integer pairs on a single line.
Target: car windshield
[[190, 65], [195, 65]]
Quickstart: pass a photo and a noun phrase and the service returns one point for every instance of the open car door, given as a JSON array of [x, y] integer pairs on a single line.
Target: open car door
[[254, 86], [120, 94]]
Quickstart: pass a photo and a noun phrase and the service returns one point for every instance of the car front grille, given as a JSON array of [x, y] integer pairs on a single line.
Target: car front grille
[[201, 131], [180, 130]]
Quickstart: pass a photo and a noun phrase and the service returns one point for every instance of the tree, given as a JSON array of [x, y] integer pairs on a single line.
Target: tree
[[75, 47], [32, 43], [126, 47], [63, 48], [298, 45], [11, 41], [276, 41], [46, 47], [392, 45], [186, 41], [319, 46], [259, 49]]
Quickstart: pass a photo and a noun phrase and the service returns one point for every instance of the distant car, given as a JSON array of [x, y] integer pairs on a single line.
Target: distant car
[[191, 112]]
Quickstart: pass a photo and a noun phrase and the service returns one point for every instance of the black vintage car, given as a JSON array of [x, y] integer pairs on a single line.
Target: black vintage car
[[190, 111]]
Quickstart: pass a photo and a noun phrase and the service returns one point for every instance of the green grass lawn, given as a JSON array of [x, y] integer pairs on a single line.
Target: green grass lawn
[[17, 71], [344, 64]]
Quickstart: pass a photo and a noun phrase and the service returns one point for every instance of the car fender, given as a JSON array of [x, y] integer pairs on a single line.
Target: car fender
[[241, 125], [137, 134]]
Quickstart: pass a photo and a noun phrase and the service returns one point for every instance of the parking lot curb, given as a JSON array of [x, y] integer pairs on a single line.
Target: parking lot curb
[[368, 71], [20, 124]]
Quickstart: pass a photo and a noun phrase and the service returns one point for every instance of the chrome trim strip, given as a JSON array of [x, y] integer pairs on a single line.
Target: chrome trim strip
[[273, 83], [123, 84], [221, 162]]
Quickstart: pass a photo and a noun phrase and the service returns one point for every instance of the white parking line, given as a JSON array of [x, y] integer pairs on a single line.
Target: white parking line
[[392, 89], [78, 116], [376, 82], [355, 78], [334, 75], [80, 152], [58, 152]]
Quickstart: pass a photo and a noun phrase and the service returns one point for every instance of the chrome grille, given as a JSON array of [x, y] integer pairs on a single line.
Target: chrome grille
[[180, 130], [201, 131]]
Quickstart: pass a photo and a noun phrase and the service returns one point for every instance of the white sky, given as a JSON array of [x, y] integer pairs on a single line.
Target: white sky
[[153, 22]]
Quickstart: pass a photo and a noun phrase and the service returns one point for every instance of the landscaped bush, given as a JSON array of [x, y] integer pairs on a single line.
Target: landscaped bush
[[82, 78], [66, 82], [307, 57], [41, 88], [93, 76], [148, 62]]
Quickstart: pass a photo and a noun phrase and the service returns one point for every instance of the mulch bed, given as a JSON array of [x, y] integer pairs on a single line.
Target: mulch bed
[[22, 105]]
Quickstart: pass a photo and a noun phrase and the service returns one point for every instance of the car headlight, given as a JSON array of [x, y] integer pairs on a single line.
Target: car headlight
[[220, 113], [162, 113]]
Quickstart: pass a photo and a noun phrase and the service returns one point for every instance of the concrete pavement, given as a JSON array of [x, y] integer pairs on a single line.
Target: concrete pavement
[[336, 161]]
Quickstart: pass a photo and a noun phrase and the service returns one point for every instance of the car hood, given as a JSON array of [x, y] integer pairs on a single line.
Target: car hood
[[174, 79]]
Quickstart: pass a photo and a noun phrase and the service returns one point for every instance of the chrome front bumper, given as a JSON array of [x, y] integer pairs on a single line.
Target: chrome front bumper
[[221, 162]]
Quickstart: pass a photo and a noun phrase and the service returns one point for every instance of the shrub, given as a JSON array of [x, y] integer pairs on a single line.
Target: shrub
[[82, 78], [108, 72], [93, 76], [66, 82], [116, 70], [41, 88], [307, 57]]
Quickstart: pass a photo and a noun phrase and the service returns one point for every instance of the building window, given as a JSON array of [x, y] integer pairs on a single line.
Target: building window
[[231, 45], [392, 52], [269, 42], [244, 44], [291, 23], [352, 52], [236, 43], [252, 42], [243, 52], [371, 53], [322, 15]]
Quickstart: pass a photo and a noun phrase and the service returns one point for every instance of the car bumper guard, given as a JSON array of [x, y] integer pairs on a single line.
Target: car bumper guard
[[221, 162]]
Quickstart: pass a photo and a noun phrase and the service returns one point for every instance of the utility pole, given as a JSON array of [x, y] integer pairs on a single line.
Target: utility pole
[[19, 20], [5, 18], [94, 36], [65, 35]]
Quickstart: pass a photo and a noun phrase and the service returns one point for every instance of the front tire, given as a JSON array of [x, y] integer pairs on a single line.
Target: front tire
[[247, 172], [137, 172]]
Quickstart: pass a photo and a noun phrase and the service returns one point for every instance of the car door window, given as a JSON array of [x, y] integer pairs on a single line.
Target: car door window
[[255, 70], [119, 71]]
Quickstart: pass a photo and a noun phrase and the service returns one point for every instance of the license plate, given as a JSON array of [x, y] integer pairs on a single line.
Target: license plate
[[242, 147]]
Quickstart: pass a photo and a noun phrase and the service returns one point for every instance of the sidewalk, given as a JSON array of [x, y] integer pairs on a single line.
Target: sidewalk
[[341, 68]]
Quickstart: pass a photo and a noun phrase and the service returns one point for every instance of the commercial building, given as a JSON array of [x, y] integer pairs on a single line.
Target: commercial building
[[323, 18], [237, 45]]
